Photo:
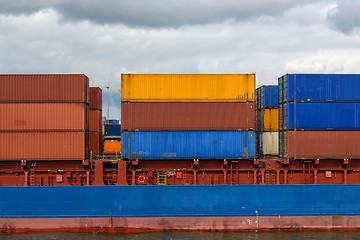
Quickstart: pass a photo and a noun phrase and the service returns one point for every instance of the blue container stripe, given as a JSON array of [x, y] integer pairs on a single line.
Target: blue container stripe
[[322, 87], [182, 201], [112, 129], [188, 145], [322, 116]]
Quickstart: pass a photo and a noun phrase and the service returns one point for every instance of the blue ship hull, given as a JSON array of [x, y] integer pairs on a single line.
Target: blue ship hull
[[147, 207]]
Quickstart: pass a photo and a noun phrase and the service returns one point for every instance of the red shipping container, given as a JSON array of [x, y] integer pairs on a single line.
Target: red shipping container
[[95, 99], [94, 142], [187, 116], [322, 144], [44, 88], [42, 146], [95, 120], [43, 116]]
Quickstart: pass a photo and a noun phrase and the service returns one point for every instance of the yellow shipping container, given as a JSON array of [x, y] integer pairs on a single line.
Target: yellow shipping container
[[269, 120], [188, 87]]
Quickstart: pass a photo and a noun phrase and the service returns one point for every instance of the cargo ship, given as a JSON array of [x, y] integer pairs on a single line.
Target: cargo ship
[[203, 152]]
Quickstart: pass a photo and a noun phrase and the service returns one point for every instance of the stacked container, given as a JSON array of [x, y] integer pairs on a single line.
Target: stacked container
[[95, 116], [319, 116], [187, 116], [43, 117], [112, 143], [267, 120]]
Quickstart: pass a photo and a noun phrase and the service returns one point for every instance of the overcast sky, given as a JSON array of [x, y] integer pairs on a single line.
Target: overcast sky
[[106, 38]]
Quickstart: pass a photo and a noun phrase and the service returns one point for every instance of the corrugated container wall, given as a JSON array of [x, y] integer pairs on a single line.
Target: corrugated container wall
[[95, 120], [94, 143], [44, 88], [269, 143], [188, 145], [95, 99], [268, 96], [321, 144], [187, 116], [269, 120], [322, 116], [42, 116], [188, 87], [321, 87], [42, 146]]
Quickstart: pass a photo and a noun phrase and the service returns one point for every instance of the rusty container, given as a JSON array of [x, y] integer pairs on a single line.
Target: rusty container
[[95, 98], [42, 116], [42, 146], [44, 88], [321, 144], [94, 142], [95, 120], [187, 116]]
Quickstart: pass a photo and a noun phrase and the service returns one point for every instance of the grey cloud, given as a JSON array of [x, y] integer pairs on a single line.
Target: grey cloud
[[345, 16], [24, 7], [154, 14]]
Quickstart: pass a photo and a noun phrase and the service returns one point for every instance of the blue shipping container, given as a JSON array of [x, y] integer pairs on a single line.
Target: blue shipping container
[[188, 145], [321, 87], [322, 116], [269, 96], [112, 129]]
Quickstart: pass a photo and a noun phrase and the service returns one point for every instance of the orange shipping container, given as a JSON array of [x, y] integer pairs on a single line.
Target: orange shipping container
[[269, 120], [95, 120], [112, 148], [42, 146], [44, 88], [43, 116]]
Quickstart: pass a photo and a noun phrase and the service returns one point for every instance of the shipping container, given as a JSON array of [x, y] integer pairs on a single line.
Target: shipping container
[[42, 146], [94, 143], [188, 145], [95, 120], [321, 87], [95, 98], [43, 116], [187, 116], [112, 147], [44, 88], [269, 120], [112, 130], [321, 144], [188, 87], [322, 116], [269, 96], [269, 143]]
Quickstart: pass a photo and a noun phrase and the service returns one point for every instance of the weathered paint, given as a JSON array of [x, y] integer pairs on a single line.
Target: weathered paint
[[44, 88], [320, 144], [188, 87], [187, 116], [42, 145], [43, 116]]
